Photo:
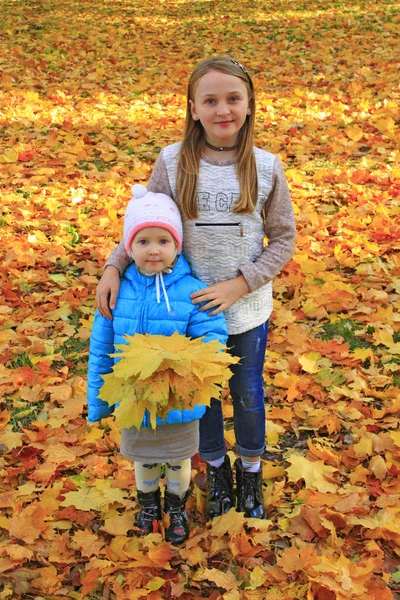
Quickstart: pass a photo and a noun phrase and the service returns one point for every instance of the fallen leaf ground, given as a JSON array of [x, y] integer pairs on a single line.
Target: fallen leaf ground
[[90, 93]]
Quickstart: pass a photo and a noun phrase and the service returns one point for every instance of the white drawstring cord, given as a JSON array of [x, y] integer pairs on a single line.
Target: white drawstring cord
[[165, 293], [157, 288], [158, 295]]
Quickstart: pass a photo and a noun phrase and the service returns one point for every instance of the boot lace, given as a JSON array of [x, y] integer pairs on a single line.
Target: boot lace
[[148, 513], [250, 490], [219, 481]]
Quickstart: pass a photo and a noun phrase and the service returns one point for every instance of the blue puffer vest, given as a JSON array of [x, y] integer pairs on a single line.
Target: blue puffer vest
[[138, 311]]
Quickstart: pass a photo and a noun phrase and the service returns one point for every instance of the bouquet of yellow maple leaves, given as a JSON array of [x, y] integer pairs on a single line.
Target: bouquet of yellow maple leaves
[[160, 373]]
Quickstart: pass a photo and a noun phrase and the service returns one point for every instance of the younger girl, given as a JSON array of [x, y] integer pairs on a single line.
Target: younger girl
[[231, 195], [154, 298]]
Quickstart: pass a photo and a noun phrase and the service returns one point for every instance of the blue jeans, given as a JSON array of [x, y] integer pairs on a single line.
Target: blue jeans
[[247, 392]]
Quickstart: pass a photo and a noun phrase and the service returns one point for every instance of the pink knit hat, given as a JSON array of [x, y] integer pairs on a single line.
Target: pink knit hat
[[147, 209]]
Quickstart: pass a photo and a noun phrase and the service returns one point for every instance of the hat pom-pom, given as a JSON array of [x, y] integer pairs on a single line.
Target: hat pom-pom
[[139, 190]]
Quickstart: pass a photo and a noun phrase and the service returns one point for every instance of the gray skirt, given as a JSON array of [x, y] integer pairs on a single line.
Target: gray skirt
[[166, 443]]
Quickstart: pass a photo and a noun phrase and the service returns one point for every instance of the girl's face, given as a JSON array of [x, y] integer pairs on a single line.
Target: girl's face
[[153, 249], [221, 104]]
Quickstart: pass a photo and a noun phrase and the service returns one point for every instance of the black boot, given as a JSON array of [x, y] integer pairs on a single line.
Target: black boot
[[220, 496], [150, 510], [249, 492], [174, 506]]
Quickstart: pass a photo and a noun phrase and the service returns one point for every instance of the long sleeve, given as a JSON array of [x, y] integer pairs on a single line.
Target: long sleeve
[[280, 229], [100, 363], [159, 184]]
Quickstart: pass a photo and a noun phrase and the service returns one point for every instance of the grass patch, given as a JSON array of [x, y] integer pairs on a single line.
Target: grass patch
[[349, 330], [22, 360], [73, 346], [75, 236], [22, 415], [98, 163], [76, 353]]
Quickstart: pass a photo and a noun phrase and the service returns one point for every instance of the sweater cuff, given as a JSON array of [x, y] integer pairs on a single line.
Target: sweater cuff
[[252, 276], [112, 264]]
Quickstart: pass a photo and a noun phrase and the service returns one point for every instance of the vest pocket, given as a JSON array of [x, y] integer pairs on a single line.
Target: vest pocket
[[238, 225]]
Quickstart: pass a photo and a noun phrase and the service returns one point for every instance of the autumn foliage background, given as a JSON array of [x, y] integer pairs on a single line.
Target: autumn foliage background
[[90, 92]]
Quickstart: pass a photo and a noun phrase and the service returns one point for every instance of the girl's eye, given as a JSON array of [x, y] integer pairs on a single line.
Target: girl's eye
[[164, 242], [210, 101], [142, 242], [234, 98]]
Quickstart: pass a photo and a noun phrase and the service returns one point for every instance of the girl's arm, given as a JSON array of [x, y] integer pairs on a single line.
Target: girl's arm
[[117, 262], [280, 228]]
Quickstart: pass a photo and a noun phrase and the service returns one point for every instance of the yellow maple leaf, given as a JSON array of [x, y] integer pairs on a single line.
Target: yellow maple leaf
[[11, 439], [295, 176], [313, 473], [208, 390], [395, 435], [273, 431], [183, 389], [154, 388], [354, 132], [257, 577], [385, 124], [155, 584], [309, 362], [87, 543], [118, 524], [115, 389], [86, 498], [157, 373], [230, 521], [128, 414], [226, 580], [9, 156]]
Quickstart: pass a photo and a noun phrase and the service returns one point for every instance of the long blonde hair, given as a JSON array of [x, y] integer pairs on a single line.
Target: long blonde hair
[[194, 138]]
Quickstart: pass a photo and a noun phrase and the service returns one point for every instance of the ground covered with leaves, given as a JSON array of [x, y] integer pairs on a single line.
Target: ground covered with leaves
[[90, 92]]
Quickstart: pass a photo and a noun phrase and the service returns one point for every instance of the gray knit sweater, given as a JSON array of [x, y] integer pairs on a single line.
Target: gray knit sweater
[[221, 244]]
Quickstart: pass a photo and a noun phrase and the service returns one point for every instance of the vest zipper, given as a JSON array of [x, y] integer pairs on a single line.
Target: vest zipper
[[240, 225]]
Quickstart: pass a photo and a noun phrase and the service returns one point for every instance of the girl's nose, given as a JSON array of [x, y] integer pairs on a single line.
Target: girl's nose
[[223, 109]]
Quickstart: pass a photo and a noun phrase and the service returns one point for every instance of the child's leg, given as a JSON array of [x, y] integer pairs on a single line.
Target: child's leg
[[178, 480], [148, 494], [247, 391], [147, 476], [178, 475]]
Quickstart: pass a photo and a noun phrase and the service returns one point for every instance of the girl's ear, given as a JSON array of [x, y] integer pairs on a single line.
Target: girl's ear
[[193, 111], [248, 111]]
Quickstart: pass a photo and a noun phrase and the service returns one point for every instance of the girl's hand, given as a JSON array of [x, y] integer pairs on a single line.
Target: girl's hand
[[107, 289], [221, 295]]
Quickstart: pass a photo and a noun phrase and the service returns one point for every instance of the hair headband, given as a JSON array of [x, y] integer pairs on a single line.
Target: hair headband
[[238, 64]]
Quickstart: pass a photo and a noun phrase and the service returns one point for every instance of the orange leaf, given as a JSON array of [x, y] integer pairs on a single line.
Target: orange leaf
[[87, 543], [161, 555], [28, 524], [297, 559], [90, 581]]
